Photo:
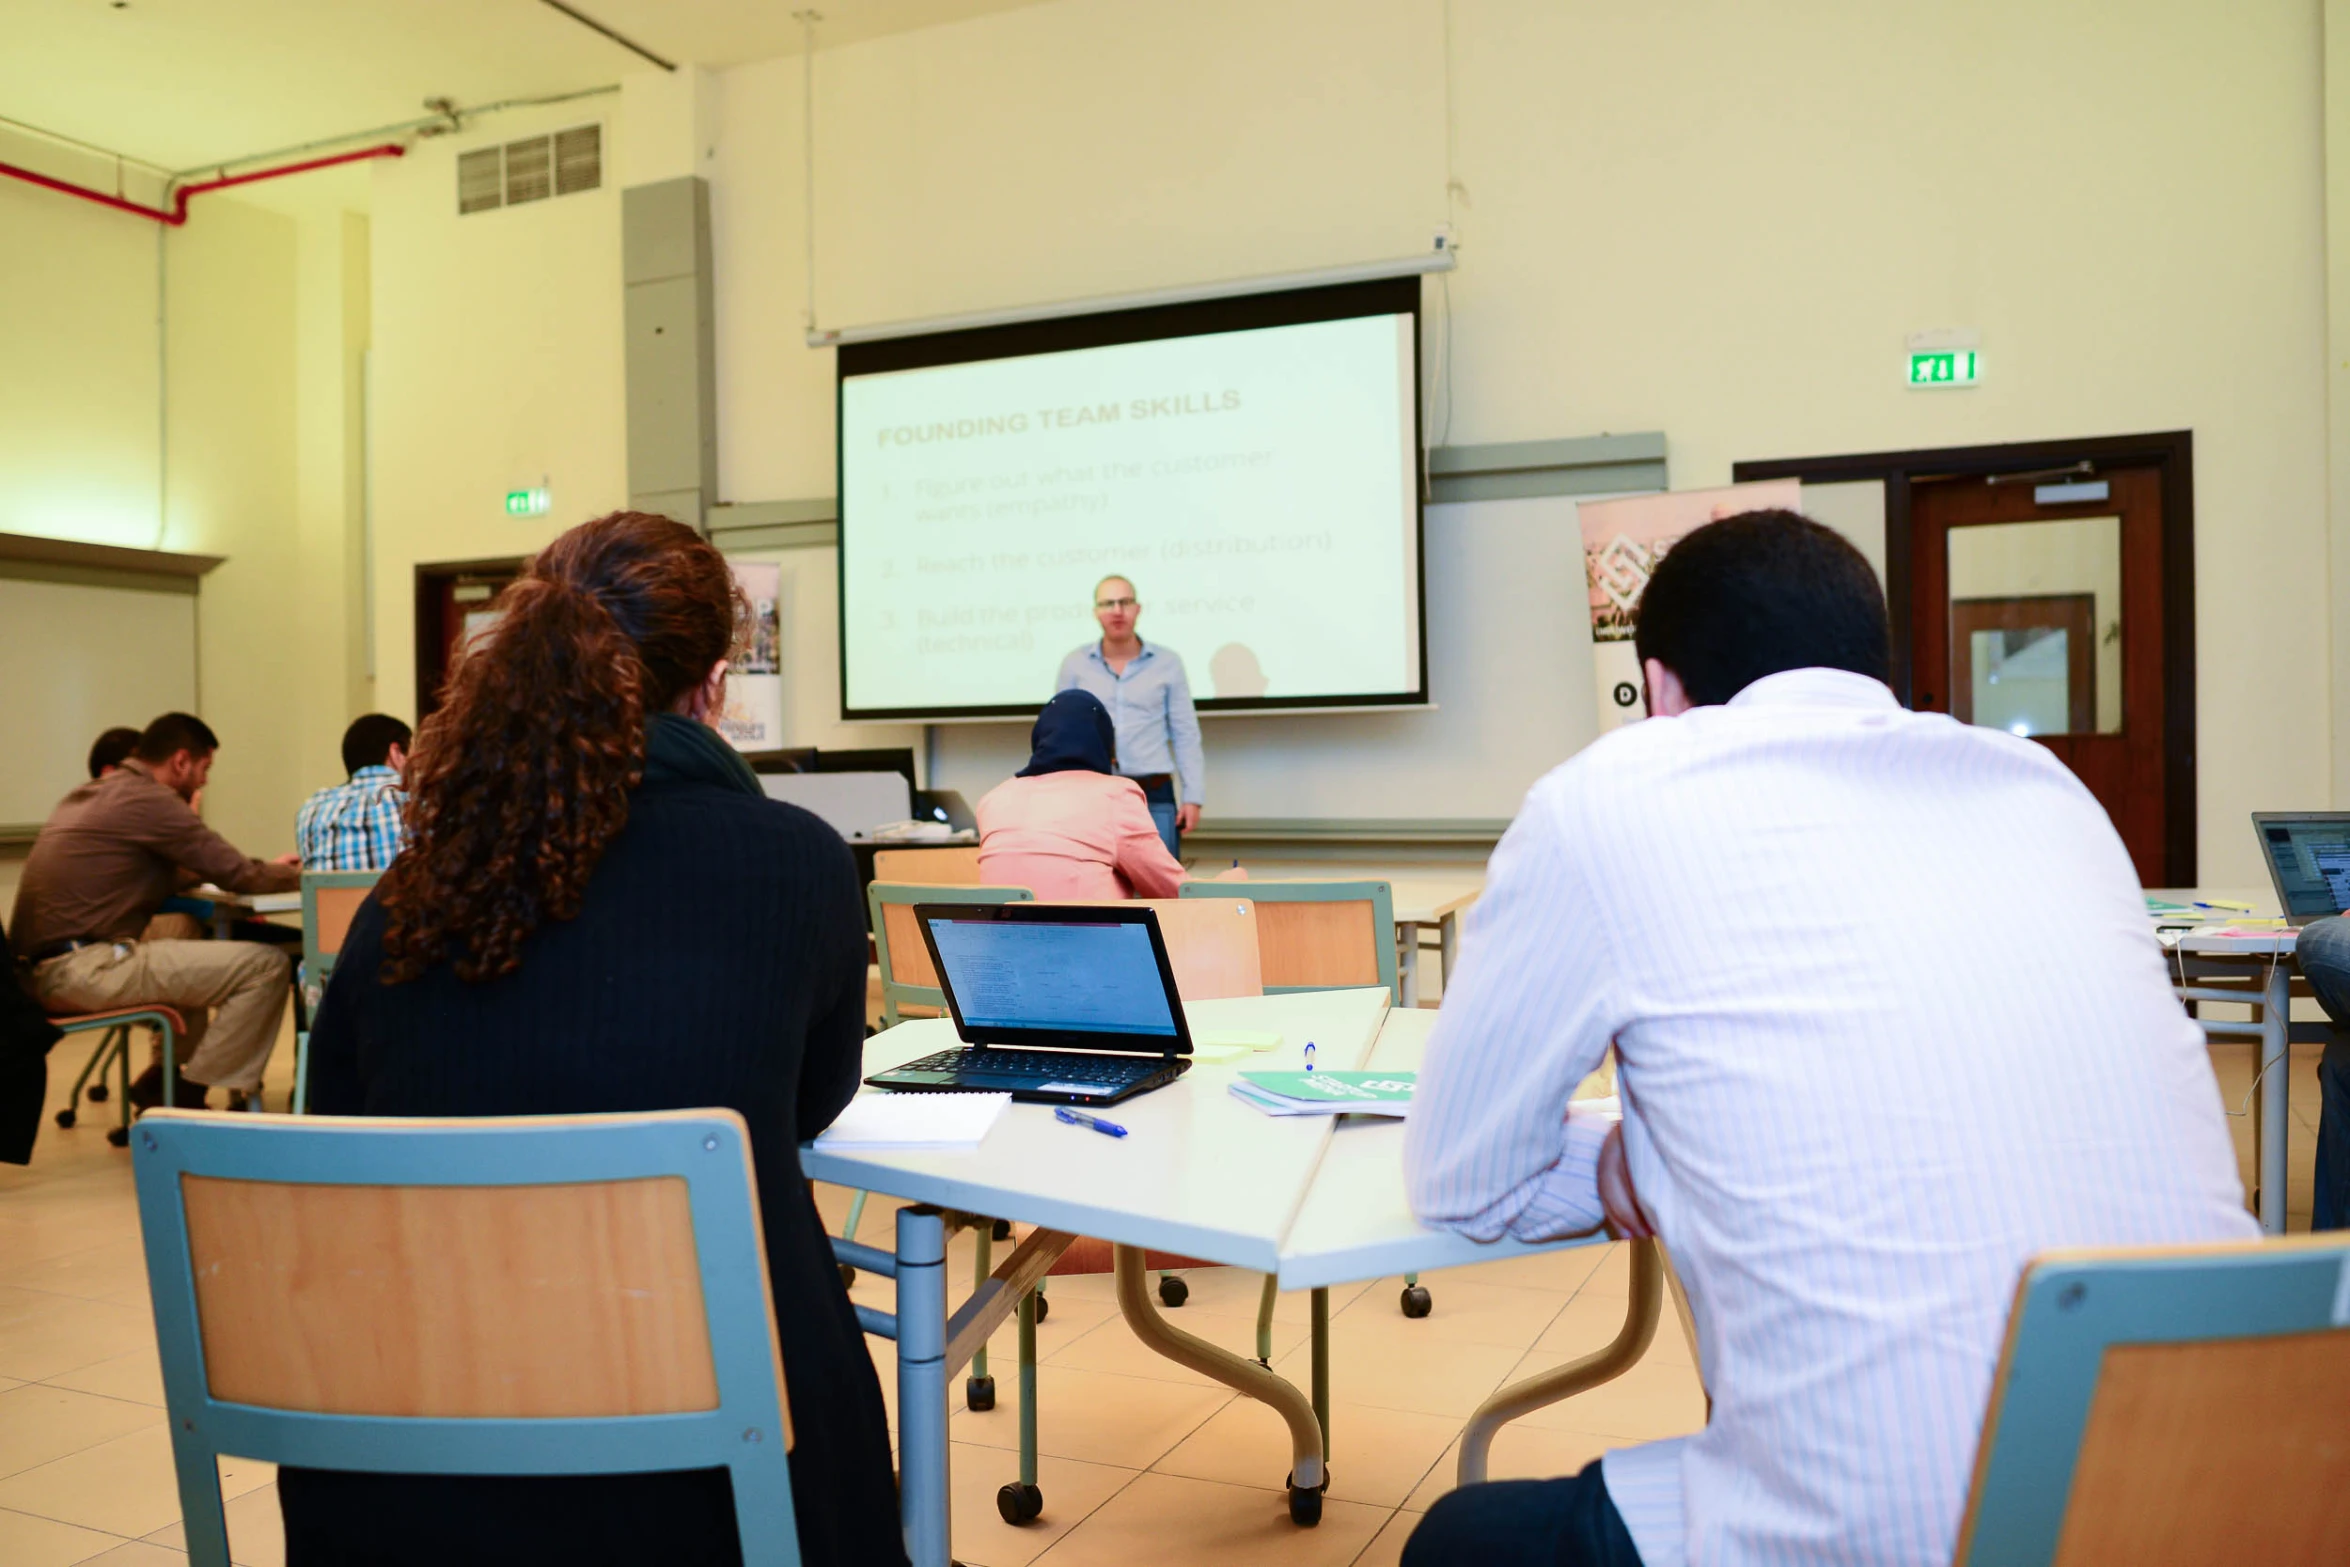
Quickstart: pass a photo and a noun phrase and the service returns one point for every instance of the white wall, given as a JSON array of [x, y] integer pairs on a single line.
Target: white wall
[[1714, 219]]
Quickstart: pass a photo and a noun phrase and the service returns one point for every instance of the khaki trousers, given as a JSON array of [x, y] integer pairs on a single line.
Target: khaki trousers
[[247, 981]]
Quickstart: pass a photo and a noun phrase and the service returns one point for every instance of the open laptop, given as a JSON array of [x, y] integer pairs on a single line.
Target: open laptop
[[1056, 1003], [2308, 854]]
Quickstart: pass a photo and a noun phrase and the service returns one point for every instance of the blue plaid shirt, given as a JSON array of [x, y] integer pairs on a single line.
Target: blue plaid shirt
[[353, 826]]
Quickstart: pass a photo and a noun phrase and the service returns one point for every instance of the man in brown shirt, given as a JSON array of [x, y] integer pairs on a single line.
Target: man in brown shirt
[[110, 853]]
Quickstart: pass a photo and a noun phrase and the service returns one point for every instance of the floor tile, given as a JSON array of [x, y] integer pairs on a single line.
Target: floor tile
[[1388, 1363], [1073, 1491], [139, 1553], [136, 1377], [1112, 1346], [256, 1530], [1377, 1455], [43, 1335], [1222, 1525], [1519, 1452], [1126, 1422], [1565, 1269], [1591, 1321], [1469, 1310], [1387, 1549], [29, 1541], [1236, 1292], [109, 1270], [40, 1423], [1656, 1398], [126, 1486], [1613, 1276]]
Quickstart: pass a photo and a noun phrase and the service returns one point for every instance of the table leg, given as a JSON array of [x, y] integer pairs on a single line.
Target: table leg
[[1242, 1376], [1321, 1361], [1448, 946], [1576, 1376], [1407, 963], [922, 1385], [2276, 1086]]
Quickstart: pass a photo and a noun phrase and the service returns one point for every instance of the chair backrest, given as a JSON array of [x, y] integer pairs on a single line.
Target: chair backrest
[[907, 977], [1211, 945], [1318, 935], [329, 900], [954, 866], [523, 1295], [2170, 1406]]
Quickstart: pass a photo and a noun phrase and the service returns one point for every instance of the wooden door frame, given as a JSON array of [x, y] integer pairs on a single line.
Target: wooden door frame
[[2080, 654], [2171, 453], [431, 577]]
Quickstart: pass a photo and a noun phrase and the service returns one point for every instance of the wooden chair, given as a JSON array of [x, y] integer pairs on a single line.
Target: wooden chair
[[329, 900], [954, 866], [516, 1296], [2170, 1406], [114, 1051], [1318, 935], [1211, 945], [907, 978]]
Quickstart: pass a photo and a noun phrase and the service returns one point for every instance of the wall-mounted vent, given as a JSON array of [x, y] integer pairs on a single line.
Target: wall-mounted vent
[[531, 169]]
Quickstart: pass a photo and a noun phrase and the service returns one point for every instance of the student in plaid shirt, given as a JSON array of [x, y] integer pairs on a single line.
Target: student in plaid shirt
[[356, 826]]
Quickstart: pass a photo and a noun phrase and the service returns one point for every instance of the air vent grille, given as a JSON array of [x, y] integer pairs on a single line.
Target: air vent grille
[[532, 169], [480, 180]]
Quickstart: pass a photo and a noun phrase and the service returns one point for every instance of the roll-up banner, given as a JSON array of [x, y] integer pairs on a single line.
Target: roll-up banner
[[753, 719], [1622, 542]]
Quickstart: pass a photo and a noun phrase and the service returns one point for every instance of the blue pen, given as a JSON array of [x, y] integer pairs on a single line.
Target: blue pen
[[1091, 1122], [1309, 1055]]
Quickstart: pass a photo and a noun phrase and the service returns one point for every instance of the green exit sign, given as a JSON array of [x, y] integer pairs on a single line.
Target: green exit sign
[[527, 503], [1945, 367]]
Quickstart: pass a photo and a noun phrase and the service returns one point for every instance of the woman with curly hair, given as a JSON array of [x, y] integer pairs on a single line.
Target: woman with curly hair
[[600, 911]]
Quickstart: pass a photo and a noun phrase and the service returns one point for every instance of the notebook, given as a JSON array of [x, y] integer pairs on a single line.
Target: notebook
[[1327, 1093], [914, 1121]]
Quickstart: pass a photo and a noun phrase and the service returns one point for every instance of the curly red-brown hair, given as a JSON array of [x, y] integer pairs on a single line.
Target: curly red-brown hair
[[522, 775]]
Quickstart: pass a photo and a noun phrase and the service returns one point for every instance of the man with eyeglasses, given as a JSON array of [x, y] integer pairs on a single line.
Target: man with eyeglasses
[[1149, 699]]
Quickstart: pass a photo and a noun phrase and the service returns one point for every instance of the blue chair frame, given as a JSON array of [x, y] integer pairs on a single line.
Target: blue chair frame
[[114, 1050], [318, 966], [2071, 1308], [885, 894], [747, 1434]]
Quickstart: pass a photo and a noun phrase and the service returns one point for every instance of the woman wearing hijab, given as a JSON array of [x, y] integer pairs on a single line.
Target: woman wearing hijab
[[1065, 826], [600, 911]]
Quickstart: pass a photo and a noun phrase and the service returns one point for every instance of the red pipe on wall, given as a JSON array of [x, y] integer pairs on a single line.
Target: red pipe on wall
[[179, 205]]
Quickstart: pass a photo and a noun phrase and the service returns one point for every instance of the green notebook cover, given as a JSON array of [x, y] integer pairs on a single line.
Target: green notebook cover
[[1346, 1090]]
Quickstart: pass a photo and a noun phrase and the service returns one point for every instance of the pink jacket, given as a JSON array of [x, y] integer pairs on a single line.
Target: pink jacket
[[1074, 836]]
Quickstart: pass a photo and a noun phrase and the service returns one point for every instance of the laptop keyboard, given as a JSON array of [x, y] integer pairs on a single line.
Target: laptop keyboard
[[1046, 1065]]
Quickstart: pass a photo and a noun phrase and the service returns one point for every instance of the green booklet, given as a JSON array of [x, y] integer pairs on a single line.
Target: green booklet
[[1327, 1093]]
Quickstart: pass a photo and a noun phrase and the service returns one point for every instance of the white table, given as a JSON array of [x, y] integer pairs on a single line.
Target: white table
[[229, 907], [2262, 960], [1200, 1173]]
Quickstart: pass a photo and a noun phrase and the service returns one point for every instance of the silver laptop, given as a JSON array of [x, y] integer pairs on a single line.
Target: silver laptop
[[2308, 855]]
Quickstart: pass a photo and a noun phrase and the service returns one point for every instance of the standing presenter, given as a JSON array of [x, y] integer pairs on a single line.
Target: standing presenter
[[1149, 699]]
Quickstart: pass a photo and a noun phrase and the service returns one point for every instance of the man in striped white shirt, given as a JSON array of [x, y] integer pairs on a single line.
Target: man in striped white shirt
[[1888, 1021]]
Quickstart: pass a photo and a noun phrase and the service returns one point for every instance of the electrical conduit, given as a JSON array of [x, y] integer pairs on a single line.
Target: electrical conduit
[[178, 213]]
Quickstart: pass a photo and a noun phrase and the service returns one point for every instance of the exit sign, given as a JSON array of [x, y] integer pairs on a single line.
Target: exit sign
[[1945, 367], [527, 503]]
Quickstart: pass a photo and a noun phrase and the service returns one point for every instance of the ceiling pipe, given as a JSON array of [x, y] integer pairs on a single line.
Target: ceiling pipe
[[178, 212]]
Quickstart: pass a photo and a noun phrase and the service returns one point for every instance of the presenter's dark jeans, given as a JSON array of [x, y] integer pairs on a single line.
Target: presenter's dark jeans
[[1161, 799], [2323, 952], [1525, 1523]]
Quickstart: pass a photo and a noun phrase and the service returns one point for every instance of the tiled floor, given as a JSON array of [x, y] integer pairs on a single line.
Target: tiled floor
[[1143, 1460]]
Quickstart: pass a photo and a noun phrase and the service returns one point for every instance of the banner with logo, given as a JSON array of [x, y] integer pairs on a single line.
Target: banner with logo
[[753, 716], [1622, 542]]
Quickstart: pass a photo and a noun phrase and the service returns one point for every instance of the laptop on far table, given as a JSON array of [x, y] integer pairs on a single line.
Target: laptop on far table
[[2308, 857], [1057, 1004]]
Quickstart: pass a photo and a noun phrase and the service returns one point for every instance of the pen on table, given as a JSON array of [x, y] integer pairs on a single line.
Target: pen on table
[[1090, 1122], [2244, 908], [1309, 1055]]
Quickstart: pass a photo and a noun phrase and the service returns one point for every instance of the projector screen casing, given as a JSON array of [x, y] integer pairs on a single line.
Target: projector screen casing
[[1385, 297]]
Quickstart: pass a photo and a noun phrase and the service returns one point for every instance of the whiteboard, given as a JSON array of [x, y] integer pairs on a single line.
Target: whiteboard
[[74, 661]]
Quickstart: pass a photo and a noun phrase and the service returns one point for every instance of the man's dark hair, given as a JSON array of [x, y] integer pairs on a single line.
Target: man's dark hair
[[173, 733], [1756, 594], [369, 740], [110, 748]]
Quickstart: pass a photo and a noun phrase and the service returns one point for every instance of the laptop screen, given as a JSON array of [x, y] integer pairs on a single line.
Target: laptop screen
[[2310, 858], [1089, 977]]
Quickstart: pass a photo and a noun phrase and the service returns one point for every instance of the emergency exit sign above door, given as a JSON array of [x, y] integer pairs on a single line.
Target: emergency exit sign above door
[[1940, 361]]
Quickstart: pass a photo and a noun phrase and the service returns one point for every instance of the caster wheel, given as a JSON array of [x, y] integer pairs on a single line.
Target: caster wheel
[[979, 1394], [1305, 1507], [1417, 1302], [98, 1093], [65, 1118], [119, 1136], [1173, 1292], [1019, 1504], [1002, 1230], [1044, 1307], [848, 1277]]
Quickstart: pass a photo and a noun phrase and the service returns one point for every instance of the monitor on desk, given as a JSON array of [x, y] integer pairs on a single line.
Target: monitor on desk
[[2308, 858]]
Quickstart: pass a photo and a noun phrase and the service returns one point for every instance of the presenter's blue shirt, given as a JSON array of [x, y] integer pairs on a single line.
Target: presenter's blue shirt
[[1158, 731]]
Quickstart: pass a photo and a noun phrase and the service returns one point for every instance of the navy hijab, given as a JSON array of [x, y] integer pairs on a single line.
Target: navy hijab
[[1072, 734]]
